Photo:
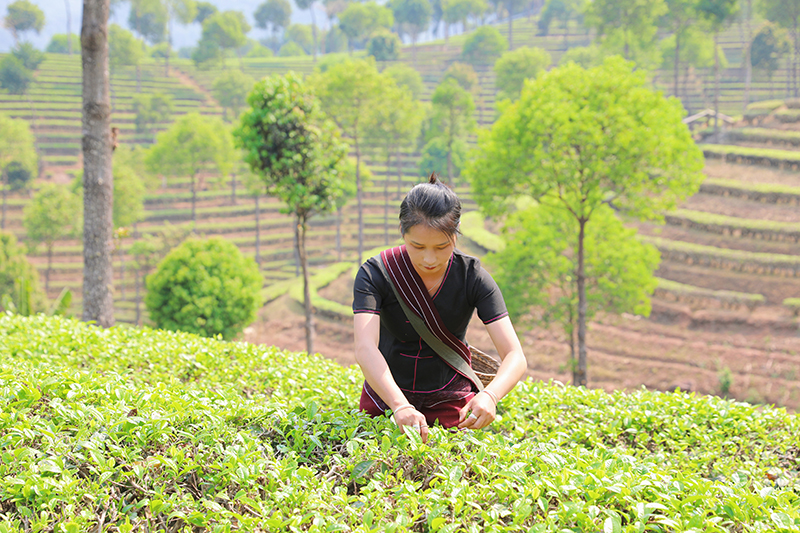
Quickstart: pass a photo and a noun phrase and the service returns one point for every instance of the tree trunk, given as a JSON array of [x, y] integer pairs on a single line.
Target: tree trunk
[[339, 234], [314, 29], [386, 196], [716, 88], [98, 186], [69, 28], [748, 67], [359, 196], [49, 267], [300, 235], [194, 203], [579, 375], [258, 233], [296, 250]]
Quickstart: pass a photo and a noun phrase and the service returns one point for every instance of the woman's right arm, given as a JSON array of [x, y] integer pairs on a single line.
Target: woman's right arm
[[367, 329]]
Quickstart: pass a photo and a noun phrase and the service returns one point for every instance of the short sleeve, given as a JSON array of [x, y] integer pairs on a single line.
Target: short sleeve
[[366, 296], [487, 297]]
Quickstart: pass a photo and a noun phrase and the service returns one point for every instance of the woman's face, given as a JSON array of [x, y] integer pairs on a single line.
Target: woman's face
[[429, 249]]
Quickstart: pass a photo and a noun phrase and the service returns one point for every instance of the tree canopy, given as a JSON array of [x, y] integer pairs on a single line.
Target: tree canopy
[[124, 50], [515, 66], [483, 46], [22, 16], [274, 15], [358, 21], [231, 89]]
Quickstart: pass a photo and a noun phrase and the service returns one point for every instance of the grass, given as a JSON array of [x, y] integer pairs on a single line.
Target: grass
[[735, 223], [141, 430], [723, 295], [760, 258], [765, 135], [762, 188], [472, 227], [769, 155]]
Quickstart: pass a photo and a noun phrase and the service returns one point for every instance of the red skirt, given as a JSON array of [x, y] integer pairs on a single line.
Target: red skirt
[[441, 406]]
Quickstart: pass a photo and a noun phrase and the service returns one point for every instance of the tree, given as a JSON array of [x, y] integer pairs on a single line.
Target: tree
[[28, 55], [626, 25], [697, 52], [768, 46], [359, 21], [124, 50], [451, 119], [273, 13], [298, 154], [22, 16], [563, 10], [516, 66], [49, 216], [150, 110], [203, 11], [786, 14], [349, 92], [227, 30], [302, 35], [384, 45], [717, 14], [412, 17], [678, 19], [482, 48], [14, 77], [394, 124], [464, 75], [588, 138], [537, 266], [454, 11], [231, 90], [309, 4], [98, 179], [184, 12], [17, 151], [407, 77], [149, 18], [17, 275], [193, 144], [145, 253], [584, 56], [61, 43], [511, 7], [441, 153], [206, 287]]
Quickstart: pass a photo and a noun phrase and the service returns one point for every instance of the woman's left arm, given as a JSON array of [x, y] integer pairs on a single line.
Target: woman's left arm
[[511, 370]]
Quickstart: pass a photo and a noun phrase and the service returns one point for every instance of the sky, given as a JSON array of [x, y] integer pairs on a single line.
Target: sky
[[55, 12]]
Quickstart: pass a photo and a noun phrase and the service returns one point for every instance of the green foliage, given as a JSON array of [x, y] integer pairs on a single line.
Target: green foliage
[[206, 287], [192, 144], [259, 51], [451, 121], [14, 77], [483, 46], [230, 90], [52, 213], [473, 228], [204, 10], [413, 16], [291, 49], [584, 56], [207, 54], [28, 55], [627, 27], [22, 16], [769, 45], [147, 418], [273, 13], [746, 298], [384, 45], [768, 105], [335, 41], [725, 377], [769, 155], [226, 29], [302, 35], [697, 49], [561, 10], [149, 19], [291, 144], [19, 161], [764, 135], [434, 156], [358, 21], [464, 75], [161, 51], [151, 109], [19, 280], [124, 49], [407, 77], [514, 67], [454, 11], [59, 43], [537, 267]]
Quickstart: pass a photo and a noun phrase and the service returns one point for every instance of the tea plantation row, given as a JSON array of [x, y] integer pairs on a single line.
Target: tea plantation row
[[142, 430]]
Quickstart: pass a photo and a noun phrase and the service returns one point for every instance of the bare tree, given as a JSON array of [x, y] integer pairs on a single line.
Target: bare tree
[[98, 187]]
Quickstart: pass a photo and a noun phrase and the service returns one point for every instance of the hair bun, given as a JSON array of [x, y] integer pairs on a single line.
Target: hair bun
[[433, 179]]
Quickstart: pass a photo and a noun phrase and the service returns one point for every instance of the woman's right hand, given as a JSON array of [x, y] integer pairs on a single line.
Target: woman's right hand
[[410, 419]]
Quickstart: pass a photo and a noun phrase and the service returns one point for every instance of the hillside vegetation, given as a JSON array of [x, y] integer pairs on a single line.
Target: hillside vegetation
[[141, 430]]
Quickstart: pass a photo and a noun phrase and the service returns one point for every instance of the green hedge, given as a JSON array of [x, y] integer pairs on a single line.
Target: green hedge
[[156, 431]]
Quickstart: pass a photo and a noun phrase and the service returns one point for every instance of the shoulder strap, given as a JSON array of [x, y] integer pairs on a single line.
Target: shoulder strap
[[442, 350]]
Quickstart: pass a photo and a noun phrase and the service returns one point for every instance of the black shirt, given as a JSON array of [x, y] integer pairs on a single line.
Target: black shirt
[[415, 366]]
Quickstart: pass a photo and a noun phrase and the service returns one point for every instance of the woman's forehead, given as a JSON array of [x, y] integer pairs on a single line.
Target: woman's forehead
[[425, 234]]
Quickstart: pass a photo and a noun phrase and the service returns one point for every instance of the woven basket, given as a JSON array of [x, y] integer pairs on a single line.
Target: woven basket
[[485, 366]]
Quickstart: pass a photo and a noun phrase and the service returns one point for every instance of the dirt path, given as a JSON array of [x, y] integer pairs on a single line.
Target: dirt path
[[188, 80]]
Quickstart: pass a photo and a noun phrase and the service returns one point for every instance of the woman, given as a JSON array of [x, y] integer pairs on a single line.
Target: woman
[[444, 286]]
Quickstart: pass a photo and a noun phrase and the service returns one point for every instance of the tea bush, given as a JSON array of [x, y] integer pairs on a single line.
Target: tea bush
[[142, 430]]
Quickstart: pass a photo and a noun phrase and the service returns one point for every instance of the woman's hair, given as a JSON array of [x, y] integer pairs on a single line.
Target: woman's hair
[[433, 204]]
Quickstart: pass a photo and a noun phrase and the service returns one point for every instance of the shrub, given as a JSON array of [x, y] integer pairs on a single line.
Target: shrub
[[18, 176], [206, 287], [28, 55], [15, 273], [335, 41], [291, 49], [434, 157], [384, 45], [14, 77], [259, 51], [59, 44]]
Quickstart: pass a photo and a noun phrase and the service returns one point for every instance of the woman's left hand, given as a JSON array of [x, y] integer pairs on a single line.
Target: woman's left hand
[[479, 412]]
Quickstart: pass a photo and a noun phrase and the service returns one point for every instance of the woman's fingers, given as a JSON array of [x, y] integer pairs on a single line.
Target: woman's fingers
[[481, 413], [413, 420]]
